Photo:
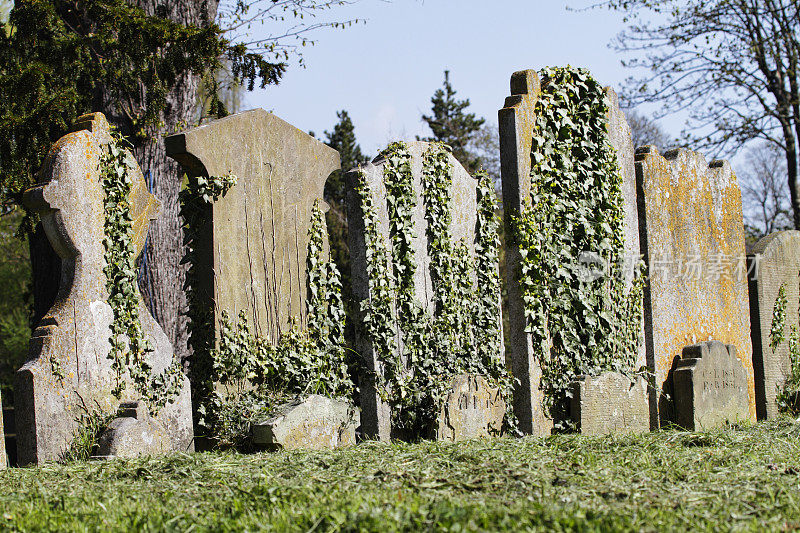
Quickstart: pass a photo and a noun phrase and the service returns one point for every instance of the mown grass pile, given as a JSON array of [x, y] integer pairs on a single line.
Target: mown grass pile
[[742, 478]]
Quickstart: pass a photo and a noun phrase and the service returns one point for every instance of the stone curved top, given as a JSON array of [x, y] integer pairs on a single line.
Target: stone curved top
[[776, 239]]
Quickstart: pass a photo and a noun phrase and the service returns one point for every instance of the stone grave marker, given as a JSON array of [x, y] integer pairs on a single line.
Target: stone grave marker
[[133, 433], [316, 423], [251, 255], [693, 242], [472, 409], [517, 124], [69, 373], [462, 207], [610, 403], [774, 281], [711, 387]]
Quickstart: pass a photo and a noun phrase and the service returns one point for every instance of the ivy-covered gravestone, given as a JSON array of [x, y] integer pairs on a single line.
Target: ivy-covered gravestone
[[774, 283], [98, 345], [265, 309], [572, 242], [693, 243], [423, 239]]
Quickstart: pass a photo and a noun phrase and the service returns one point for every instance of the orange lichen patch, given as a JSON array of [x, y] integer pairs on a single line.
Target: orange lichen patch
[[695, 243]]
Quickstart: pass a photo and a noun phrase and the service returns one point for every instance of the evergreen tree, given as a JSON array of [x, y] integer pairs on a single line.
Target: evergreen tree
[[343, 139], [452, 125]]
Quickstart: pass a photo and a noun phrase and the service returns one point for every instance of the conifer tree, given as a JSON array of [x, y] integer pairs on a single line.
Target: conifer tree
[[452, 125]]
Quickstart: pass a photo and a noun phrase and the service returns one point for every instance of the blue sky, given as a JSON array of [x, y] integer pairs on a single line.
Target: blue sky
[[385, 71]]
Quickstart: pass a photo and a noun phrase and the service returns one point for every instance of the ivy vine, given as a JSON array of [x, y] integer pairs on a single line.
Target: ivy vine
[[777, 330], [579, 323], [130, 348], [788, 397], [442, 342]]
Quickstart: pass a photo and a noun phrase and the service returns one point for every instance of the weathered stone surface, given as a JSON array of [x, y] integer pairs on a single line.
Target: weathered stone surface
[[69, 371], [711, 387], [375, 414], [134, 433], [774, 263], [693, 242], [516, 123], [316, 423], [611, 403], [472, 409], [251, 255]]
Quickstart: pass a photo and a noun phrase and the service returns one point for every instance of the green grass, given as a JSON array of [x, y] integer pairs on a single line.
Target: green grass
[[742, 479]]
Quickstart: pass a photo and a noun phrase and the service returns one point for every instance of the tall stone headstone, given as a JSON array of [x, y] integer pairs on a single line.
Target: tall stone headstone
[[375, 412], [693, 242], [69, 373], [516, 124], [611, 403], [251, 254], [711, 388], [774, 269]]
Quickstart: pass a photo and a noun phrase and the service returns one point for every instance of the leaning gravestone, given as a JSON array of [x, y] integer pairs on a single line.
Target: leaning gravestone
[[610, 403], [471, 409], [774, 280], [518, 127], [711, 387], [693, 242], [69, 375], [424, 270]]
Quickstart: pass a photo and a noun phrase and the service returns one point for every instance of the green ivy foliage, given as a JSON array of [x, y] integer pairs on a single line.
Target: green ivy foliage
[[440, 344], [130, 348], [579, 324], [241, 376], [777, 330]]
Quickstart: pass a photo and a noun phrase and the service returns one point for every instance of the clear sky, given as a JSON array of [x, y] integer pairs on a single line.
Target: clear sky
[[385, 71]]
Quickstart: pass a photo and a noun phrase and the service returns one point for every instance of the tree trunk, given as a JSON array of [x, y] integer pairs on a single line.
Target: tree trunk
[[164, 275]]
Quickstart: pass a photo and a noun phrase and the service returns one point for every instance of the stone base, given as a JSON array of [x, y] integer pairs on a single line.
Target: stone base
[[472, 409], [611, 403], [316, 423], [134, 433]]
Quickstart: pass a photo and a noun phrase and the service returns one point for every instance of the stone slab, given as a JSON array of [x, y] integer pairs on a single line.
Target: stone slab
[[68, 372], [516, 124], [315, 423], [133, 434], [774, 263], [711, 387], [611, 403], [251, 255], [375, 414], [471, 409], [692, 238]]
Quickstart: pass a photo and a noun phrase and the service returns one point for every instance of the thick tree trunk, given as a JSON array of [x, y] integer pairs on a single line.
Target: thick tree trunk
[[164, 275]]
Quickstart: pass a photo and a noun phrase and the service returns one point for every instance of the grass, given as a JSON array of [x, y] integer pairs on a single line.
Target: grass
[[741, 479]]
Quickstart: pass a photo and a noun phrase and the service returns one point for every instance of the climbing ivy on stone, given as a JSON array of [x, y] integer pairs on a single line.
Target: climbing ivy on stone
[[440, 343], [580, 323], [787, 397], [777, 330], [129, 346]]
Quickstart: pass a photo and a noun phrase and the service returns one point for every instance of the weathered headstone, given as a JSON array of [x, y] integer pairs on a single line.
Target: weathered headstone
[[774, 281], [251, 255], [133, 433], [517, 124], [472, 409], [316, 423], [610, 403], [462, 207], [711, 387], [69, 373], [693, 242]]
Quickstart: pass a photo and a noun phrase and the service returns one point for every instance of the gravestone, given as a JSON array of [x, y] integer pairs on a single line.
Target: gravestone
[[251, 254], [471, 409], [774, 268], [133, 434], [693, 241], [463, 206], [69, 374], [611, 403], [516, 124], [316, 423], [711, 387]]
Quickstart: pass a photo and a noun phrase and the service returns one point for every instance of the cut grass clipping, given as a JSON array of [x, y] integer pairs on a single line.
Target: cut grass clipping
[[745, 478]]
